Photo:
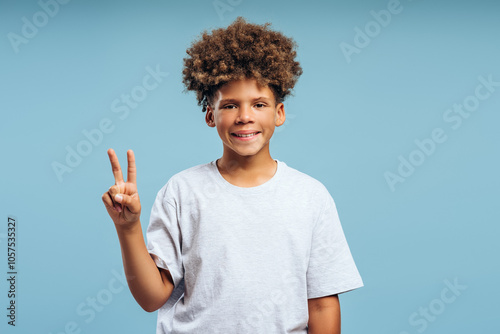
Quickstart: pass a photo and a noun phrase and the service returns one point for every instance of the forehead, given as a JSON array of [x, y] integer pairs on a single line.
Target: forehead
[[244, 88]]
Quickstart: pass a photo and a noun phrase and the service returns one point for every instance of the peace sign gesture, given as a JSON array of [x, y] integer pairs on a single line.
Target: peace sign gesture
[[122, 200]]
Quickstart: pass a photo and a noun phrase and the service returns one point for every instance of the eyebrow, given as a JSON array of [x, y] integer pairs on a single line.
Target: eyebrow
[[234, 100]]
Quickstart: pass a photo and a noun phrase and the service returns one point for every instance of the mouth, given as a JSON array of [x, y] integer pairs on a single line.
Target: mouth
[[246, 136]]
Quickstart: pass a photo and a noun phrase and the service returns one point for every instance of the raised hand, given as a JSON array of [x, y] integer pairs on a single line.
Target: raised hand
[[122, 200]]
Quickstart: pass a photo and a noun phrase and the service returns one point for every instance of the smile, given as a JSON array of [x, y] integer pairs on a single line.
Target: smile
[[246, 136]]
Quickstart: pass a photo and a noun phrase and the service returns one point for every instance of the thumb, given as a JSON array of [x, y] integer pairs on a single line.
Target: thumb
[[131, 202]]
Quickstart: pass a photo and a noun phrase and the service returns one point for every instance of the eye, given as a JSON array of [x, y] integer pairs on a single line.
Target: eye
[[260, 104], [228, 106]]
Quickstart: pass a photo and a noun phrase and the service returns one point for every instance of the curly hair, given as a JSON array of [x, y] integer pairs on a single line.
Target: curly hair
[[242, 50]]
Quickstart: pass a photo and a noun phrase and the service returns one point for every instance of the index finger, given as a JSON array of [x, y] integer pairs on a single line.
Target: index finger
[[131, 171], [115, 166]]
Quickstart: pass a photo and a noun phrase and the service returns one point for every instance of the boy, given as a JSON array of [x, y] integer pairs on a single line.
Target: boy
[[245, 243]]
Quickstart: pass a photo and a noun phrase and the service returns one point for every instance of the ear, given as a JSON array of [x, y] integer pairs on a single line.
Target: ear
[[209, 117], [279, 114]]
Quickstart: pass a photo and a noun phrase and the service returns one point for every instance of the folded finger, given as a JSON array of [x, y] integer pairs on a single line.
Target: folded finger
[[108, 201], [113, 192], [128, 201]]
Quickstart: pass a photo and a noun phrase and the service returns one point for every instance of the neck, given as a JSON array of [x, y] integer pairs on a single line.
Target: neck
[[247, 171]]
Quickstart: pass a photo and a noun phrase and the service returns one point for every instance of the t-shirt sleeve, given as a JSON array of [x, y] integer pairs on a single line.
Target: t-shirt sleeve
[[331, 267], [164, 236]]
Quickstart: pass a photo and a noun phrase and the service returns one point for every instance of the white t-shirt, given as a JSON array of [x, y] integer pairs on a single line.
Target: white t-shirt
[[246, 260]]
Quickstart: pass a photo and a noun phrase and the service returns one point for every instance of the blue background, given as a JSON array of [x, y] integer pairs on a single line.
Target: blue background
[[348, 123]]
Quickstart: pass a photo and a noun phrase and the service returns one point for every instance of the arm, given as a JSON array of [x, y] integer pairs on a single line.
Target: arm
[[150, 286], [324, 315]]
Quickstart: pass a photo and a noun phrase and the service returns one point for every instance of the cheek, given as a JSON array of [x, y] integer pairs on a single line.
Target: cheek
[[221, 122], [271, 122], [222, 125]]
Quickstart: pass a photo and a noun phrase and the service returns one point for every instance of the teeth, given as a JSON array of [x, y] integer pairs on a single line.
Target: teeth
[[248, 135]]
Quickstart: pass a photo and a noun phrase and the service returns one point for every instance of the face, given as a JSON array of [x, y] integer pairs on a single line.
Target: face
[[242, 107]]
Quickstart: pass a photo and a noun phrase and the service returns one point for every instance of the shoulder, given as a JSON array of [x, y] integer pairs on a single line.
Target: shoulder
[[302, 180], [190, 177], [305, 188], [191, 172]]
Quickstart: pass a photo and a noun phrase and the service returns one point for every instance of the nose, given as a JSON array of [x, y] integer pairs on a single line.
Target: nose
[[245, 114]]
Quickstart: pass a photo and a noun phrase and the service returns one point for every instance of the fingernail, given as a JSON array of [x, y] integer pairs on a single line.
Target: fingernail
[[118, 198]]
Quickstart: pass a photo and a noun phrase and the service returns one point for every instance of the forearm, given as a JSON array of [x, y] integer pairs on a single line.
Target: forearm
[[144, 279], [324, 318]]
